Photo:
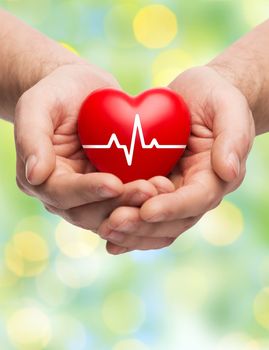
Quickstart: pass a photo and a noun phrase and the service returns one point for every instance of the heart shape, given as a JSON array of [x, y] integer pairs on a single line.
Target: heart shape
[[134, 137]]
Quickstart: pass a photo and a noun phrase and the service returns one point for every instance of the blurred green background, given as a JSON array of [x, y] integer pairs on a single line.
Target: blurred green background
[[59, 289]]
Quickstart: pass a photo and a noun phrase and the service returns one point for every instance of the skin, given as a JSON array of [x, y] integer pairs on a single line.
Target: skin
[[225, 103], [51, 164], [229, 105], [213, 165]]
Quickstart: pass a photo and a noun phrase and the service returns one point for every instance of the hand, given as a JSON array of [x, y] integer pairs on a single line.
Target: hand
[[213, 165], [51, 164]]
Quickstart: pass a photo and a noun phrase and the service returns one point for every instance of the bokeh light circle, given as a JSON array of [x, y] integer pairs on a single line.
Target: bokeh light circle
[[223, 225], [155, 26], [168, 65], [130, 344], [7, 278], [261, 308], [29, 328], [123, 312], [36, 223], [69, 333], [238, 341], [264, 271], [255, 15], [75, 242], [118, 25], [26, 254], [182, 283], [52, 290], [30, 246], [77, 273]]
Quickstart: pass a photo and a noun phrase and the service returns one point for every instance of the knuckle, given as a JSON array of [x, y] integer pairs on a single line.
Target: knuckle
[[118, 218], [141, 185]]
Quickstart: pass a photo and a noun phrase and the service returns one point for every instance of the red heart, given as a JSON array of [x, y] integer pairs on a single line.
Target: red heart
[[157, 121]]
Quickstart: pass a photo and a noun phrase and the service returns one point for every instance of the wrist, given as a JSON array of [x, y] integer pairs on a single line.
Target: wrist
[[27, 56], [248, 77], [44, 67], [248, 82], [24, 80]]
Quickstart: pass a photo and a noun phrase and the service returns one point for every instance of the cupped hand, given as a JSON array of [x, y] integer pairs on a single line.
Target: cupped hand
[[214, 164], [51, 164]]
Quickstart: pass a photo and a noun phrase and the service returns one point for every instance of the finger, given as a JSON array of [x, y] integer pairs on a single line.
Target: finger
[[162, 184], [90, 216], [125, 222], [140, 243], [193, 199], [233, 133], [33, 135], [73, 190]]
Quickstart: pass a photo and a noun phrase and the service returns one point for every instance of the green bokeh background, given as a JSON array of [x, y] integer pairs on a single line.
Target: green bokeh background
[[192, 295]]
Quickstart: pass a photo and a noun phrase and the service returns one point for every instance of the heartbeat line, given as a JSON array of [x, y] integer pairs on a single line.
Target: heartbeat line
[[137, 128]]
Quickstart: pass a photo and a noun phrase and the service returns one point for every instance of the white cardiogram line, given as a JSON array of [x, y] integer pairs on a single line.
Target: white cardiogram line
[[129, 155]]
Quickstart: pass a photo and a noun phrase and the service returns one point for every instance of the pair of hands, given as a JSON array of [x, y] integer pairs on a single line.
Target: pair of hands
[[51, 164]]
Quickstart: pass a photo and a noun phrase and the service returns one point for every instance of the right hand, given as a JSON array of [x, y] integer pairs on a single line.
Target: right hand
[[213, 165]]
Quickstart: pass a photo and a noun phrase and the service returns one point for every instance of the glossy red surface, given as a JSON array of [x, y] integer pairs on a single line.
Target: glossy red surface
[[163, 116]]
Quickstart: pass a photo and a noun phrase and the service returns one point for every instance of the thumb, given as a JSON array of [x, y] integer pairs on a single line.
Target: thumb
[[33, 137], [233, 129]]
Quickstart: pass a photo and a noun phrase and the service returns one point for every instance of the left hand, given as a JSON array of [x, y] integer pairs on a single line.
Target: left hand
[[213, 165], [61, 176], [51, 164]]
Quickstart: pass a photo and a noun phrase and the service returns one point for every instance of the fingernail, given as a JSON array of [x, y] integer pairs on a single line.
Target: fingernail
[[233, 160], [29, 167], [116, 237], [105, 192]]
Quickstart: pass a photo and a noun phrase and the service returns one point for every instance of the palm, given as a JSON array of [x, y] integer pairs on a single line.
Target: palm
[[196, 161], [61, 161], [204, 99], [222, 127], [69, 154], [65, 105]]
